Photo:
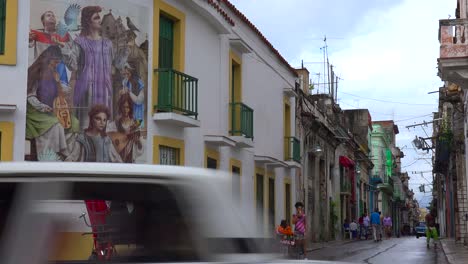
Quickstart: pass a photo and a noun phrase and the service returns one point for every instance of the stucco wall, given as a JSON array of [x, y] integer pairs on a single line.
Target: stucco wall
[[264, 77]]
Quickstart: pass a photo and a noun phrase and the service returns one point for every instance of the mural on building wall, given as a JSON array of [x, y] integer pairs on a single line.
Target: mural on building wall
[[87, 81]]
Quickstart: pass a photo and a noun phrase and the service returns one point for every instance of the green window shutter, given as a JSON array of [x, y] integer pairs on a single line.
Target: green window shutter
[[166, 56], [166, 42], [2, 25]]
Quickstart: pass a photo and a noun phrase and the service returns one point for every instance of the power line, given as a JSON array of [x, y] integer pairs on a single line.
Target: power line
[[369, 110], [410, 164], [412, 118], [385, 101]]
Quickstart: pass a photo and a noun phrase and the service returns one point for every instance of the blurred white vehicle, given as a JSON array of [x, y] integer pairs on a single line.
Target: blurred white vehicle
[[94, 213]]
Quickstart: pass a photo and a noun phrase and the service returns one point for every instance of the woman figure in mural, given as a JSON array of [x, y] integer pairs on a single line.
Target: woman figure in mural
[[125, 132], [90, 57], [42, 125], [94, 145], [133, 86]]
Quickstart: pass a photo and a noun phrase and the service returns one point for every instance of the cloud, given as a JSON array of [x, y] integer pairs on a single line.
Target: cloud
[[382, 49]]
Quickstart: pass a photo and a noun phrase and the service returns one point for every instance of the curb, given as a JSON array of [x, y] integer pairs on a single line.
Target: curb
[[324, 246], [445, 254]]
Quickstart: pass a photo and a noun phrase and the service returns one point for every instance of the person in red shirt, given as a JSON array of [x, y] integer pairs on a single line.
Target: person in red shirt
[[285, 229], [431, 230], [361, 225]]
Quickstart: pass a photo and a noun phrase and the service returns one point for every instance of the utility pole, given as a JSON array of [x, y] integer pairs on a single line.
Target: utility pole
[[424, 123]]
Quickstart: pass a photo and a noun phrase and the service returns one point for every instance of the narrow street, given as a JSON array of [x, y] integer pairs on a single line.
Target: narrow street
[[395, 250]]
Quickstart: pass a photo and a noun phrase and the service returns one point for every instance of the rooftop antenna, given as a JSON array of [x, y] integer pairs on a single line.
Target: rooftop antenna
[[325, 63]]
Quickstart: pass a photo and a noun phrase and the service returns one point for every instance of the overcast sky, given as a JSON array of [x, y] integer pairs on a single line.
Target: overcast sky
[[384, 50]]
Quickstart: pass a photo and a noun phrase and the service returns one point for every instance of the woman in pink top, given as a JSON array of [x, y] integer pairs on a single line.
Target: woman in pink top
[[387, 223], [299, 221]]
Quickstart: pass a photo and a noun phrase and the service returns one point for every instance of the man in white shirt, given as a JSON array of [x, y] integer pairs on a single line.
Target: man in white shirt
[[353, 227]]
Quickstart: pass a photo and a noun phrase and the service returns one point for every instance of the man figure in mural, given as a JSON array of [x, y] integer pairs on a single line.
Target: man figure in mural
[[42, 125], [125, 132], [41, 39], [94, 145], [90, 57]]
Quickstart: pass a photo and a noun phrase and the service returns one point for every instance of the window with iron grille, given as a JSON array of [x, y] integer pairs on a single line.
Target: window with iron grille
[[2, 25], [169, 156]]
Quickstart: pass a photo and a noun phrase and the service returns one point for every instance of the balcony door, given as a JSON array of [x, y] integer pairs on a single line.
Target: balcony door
[[166, 60], [235, 95], [166, 43]]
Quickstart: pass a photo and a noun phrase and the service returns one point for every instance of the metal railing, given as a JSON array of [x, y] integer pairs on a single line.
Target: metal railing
[[241, 120], [177, 92], [292, 149]]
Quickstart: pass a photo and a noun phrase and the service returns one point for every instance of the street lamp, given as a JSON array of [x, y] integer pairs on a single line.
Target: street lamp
[[317, 149]]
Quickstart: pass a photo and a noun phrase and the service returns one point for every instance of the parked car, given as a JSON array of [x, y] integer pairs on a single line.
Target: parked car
[[420, 229]]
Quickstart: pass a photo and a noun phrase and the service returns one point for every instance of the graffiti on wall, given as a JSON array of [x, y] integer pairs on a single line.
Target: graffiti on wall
[[87, 81]]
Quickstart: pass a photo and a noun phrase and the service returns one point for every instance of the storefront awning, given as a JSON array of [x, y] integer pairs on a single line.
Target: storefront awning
[[346, 162]]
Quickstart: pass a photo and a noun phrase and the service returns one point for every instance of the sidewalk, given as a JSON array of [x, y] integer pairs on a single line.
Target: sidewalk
[[455, 253], [334, 243]]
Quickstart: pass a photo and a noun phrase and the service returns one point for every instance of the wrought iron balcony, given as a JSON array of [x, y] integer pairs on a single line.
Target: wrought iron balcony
[[292, 149], [241, 120], [177, 92]]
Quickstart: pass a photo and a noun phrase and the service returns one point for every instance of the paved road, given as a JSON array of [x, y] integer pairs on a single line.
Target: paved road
[[393, 251]]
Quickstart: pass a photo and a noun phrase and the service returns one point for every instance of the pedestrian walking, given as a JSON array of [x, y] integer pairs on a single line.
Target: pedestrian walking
[[387, 223], [353, 227], [431, 230], [376, 226], [346, 228], [299, 221], [381, 226], [361, 225], [366, 225]]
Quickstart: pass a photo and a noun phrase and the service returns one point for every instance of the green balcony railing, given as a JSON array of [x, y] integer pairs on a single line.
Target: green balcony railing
[[292, 149], [241, 120], [177, 92]]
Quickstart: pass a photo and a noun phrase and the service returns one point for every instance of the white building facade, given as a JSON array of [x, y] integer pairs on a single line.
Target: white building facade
[[215, 93]]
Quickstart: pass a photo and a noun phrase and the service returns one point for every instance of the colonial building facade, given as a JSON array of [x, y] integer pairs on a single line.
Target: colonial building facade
[[190, 83]]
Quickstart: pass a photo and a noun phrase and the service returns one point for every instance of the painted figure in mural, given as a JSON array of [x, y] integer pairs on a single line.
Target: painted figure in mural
[[90, 57], [41, 39], [42, 124], [125, 132], [138, 59], [94, 145], [134, 87]]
